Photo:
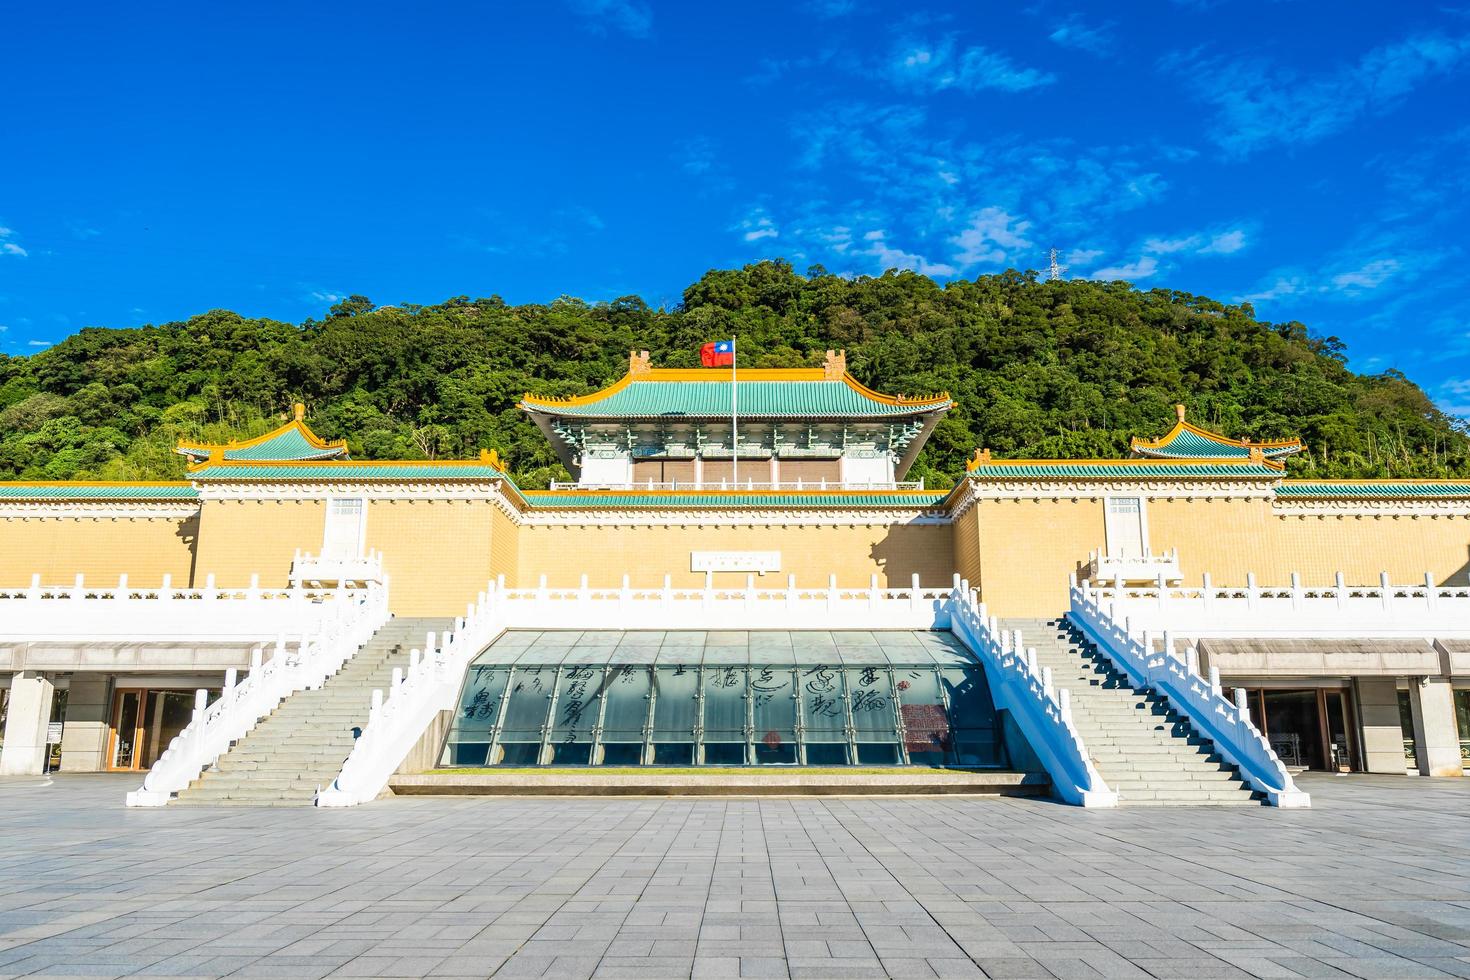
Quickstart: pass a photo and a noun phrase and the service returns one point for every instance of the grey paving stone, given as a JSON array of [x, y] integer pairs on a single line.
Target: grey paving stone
[[704, 887]]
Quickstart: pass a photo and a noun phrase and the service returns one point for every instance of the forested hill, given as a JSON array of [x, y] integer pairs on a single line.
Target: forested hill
[[1043, 369]]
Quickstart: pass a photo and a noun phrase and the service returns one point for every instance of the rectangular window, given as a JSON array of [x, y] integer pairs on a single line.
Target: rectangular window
[[1125, 527], [343, 535]]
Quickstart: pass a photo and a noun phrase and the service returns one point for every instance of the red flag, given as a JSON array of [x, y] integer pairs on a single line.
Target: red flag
[[721, 353]]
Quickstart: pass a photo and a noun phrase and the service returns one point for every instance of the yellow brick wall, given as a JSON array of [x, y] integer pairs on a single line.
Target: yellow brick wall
[[99, 548], [1028, 548], [504, 546], [1361, 547], [854, 554], [965, 537], [436, 552], [239, 538]]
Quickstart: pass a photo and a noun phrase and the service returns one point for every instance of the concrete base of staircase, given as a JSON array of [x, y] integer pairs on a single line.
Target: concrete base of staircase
[[735, 782]]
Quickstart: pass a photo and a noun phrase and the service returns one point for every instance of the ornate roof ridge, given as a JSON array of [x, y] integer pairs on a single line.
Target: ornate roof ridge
[[639, 371], [983, 460], [328, 449], [1159, 448]]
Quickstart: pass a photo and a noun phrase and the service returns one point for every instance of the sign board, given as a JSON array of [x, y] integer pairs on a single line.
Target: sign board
[[53, 733], [735, 561]]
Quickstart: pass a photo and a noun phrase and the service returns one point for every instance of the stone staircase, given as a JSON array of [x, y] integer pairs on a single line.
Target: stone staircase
[[301, 746], [1145, 751]]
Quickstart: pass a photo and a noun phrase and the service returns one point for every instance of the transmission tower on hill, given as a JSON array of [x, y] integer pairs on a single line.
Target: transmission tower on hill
[[1055, 271]]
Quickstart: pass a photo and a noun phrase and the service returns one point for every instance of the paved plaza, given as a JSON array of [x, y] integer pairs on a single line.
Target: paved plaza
[[1372, 882]]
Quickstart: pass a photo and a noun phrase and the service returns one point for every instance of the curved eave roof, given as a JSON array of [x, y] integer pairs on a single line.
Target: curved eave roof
[[659, 499], [761, 393], [351, 471], [51, 490], [1373, 489], [1122, 469], [1186, 441], [292, 442]]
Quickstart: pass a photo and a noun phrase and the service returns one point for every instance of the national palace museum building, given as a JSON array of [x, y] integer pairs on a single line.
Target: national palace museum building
[[736, 598]]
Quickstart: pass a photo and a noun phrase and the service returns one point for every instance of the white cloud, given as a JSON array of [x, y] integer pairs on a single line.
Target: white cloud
[[1453, 397], [322, 296], [1225, 243], [628, 16], [1146, 266], [1082, 256], [935, 67], [38, 343], [1075, 34], [8, 247], [1258, 105], [992, 237], [895, 258], [757, 225], [1205, 243], [1283, 286], [1371, 275]]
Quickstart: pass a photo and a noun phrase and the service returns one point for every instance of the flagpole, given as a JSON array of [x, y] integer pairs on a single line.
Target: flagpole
[[734, 423]]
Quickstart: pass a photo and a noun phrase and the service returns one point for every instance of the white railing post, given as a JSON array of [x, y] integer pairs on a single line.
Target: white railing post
[[1431, 594], [1386, 591], [1342, 593], [1252, 593], [831, 594], [1296, 591], [1215, 681], [1207, 592], [916, 599]]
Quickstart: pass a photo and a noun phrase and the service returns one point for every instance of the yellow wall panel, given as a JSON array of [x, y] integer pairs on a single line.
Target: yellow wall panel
[[853, 553], [99, 548], [240, 538], [437, 553]]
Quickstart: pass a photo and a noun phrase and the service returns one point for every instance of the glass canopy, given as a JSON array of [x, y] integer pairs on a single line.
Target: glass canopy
[[612, 698]]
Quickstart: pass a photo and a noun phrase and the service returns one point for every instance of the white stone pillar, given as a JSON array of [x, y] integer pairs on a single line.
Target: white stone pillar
[[1436, 738], [1382, 730], [88, 722], [31, 694]]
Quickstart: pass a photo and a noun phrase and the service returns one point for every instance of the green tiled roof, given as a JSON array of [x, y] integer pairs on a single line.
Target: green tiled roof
[[341, 470], [1373, 488], [93, 491], [1048, 470], [711, 399], [573, 499], [292, 442], [1191, 445]]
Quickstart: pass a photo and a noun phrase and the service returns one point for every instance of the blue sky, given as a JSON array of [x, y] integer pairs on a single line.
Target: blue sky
[[162, 159]]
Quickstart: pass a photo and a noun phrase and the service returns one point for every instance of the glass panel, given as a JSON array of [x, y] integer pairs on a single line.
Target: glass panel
[[622, 753], [578, 698], [870, 692], [724, 700], [724, 715], [1293, 724], [675, 713], [518, 754], [170, 714], [773, 710], [1462, 721], [925, 720], [823, 711], [1337, 739], [479, 705], [530, 698], [826, 753], [626, 713], [1406, 725], [129, 703], [975, 739]]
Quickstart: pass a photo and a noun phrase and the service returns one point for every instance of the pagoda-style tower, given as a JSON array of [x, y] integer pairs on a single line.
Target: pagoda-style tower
[[672, 428], [1188, 441], [292, 442]]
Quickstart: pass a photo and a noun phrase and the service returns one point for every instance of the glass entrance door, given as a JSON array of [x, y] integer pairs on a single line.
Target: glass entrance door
[[144, 723]]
